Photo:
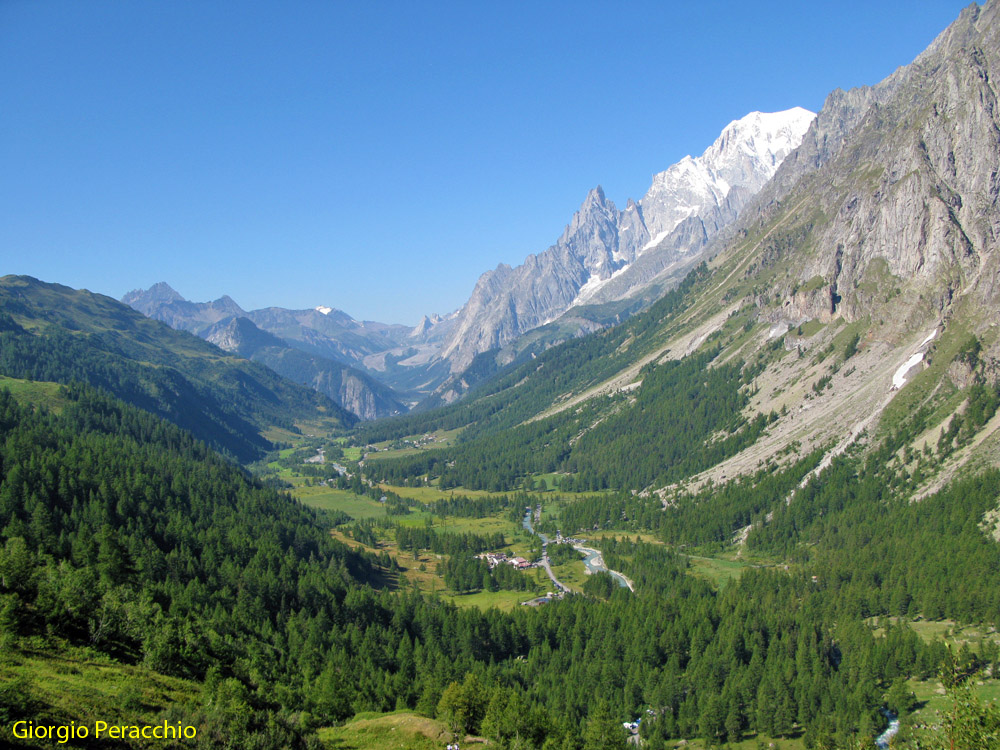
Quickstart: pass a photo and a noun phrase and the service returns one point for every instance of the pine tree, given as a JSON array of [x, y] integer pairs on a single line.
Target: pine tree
[[604, 731]]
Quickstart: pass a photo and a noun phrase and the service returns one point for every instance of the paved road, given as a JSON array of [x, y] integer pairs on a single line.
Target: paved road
[[548, 569], [545, 555]]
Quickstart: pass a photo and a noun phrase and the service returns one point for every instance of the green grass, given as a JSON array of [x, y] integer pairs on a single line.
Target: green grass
[[930, 693], [75, 684], [280, 435], [572, 574], [751, 744], [34, 392], [447, 437], [390, 731], [428, 580], [442, 439], [952, 633], [811, 328], [643, 536], [717, 571], [430, 494], [488, 525], [549, 479], [502, 600], [327, 498], [934, 702]]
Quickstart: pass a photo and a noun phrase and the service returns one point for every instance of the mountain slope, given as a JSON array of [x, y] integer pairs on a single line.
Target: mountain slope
[[54, 333], [892, 238], [352, 389], [858, 292]]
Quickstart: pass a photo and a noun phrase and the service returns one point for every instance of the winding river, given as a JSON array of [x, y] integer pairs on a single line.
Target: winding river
[[594, 560]]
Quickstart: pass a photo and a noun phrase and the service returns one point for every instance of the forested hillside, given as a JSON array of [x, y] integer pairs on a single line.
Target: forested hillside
[[571, 367], [52, 333], [123, 534]]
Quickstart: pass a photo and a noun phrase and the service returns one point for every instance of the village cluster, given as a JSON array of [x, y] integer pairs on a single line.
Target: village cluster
[[499, 558]]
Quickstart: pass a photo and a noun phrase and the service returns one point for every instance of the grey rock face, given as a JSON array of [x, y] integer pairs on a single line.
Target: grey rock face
[[509, 301], [605, 254], [353, 390], [240, 336], [902, 184]]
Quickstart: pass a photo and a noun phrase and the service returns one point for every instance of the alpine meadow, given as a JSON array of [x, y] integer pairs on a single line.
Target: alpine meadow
[[717, 469]]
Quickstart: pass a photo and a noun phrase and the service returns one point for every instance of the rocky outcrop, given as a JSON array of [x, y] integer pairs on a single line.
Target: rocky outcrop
[[507, 301], [894, 189], [241, 336]]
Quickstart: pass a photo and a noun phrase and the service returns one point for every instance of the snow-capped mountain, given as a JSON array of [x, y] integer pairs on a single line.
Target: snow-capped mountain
[[605, 254], [745, 156]]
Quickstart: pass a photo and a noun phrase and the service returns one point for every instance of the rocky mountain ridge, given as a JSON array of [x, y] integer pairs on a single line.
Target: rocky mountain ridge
[[876, 246], [605, 254]]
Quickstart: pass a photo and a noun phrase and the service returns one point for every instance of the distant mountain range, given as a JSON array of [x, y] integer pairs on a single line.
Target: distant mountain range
[[312, 347], [605, 254], [607, 265], [51, 333]]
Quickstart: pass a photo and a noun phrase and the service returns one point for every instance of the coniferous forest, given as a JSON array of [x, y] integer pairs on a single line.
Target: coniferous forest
[[125, 535]]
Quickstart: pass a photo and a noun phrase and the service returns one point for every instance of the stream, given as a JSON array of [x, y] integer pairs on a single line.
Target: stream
[[594, 561], [882, 741]]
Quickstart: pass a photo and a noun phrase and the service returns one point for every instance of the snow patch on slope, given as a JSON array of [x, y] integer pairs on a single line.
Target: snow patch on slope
[[593, 284], [899, 377]]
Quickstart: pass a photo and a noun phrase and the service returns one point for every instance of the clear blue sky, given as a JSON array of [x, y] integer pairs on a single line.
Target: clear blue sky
[[378, 156]]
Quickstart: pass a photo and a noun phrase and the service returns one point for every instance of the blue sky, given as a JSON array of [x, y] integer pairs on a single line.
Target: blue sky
[[377, 157]]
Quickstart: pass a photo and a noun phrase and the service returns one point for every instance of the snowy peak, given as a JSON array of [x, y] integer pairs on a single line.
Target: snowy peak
[[761, 139], [746, 154]]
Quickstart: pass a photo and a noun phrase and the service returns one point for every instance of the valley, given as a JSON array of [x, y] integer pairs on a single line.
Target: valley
[[717, 470]]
